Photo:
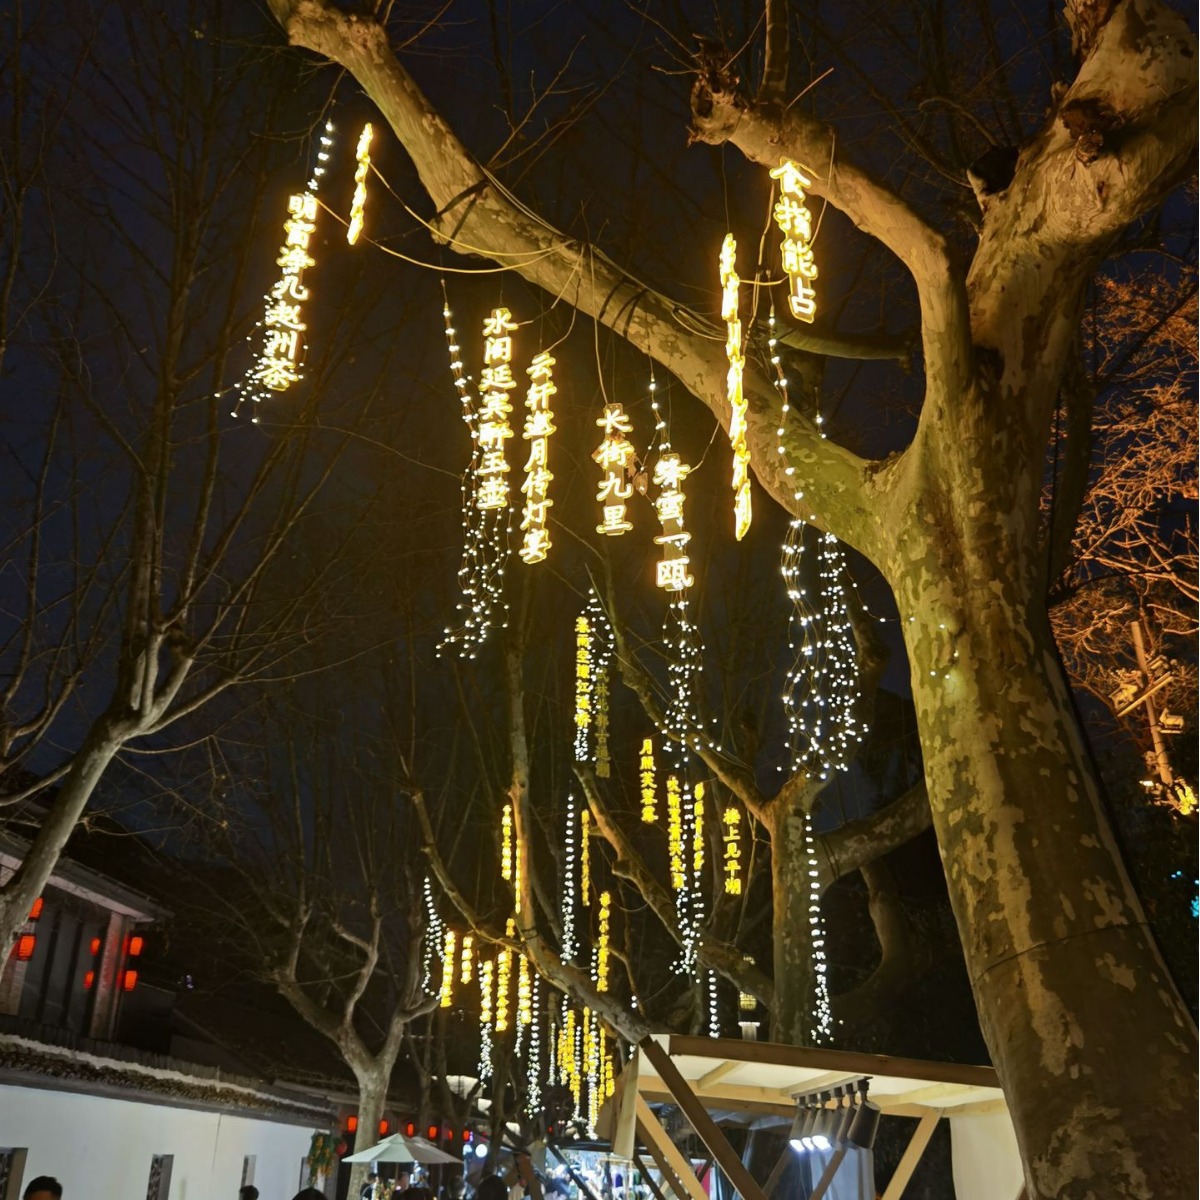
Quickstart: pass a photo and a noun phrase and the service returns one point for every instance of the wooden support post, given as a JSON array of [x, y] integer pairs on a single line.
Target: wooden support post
[[661, 1145], [911, 1156], [830, 1171], [718, 1146], [641, 1166], [778, 1169], [677, 1190]]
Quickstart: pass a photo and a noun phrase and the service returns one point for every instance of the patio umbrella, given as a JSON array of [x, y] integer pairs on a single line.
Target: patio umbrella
[[402, 1149]]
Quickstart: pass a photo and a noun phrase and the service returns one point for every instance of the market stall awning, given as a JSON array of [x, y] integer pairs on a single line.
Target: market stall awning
[[717, 1081]]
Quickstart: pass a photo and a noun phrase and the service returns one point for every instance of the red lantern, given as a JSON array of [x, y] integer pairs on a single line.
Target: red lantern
[[351, 1124], [431, 1133], [384, 1126], [89, 980], [129, 980], [36, 910], [136, 943], [95, 946], [466, 1135], [410, 1129], [25, 947]]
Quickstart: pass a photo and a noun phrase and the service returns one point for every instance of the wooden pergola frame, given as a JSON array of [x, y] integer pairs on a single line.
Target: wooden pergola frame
[[927, 1091]]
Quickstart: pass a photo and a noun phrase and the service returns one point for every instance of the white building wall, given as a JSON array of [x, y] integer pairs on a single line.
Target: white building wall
[[100, 1148], [987, 1163]]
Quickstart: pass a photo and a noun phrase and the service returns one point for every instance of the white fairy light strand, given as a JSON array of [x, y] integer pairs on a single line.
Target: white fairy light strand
[[822, 1015], [569, 945], [434, 933], [278, 363], [820, 695], [487, 514]]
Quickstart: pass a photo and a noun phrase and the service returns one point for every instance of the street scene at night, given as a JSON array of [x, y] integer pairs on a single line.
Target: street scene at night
[[599, 600]]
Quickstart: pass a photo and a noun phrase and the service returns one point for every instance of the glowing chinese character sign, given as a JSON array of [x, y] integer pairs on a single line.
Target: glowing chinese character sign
[[732, 838], [539, 425], [734, 391], [278, 365], [492, 428], [614, 454], [649, 800], [675, 834], [794, 219], [669, 473]]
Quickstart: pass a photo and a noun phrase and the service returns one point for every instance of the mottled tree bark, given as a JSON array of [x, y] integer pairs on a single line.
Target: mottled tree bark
[[791, 1014]]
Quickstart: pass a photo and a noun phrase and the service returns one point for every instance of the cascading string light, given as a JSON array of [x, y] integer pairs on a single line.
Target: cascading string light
[[533, 1061], [506, 843], [487, 513], [822, 1015], [714, 1005], [820, 695], [486, 1017], [434, 930], [503, 986], [467, 959], [277, 366], [569, 945], [539, 425], [735, 392], [362, 166], [602, 652], [585, 857]]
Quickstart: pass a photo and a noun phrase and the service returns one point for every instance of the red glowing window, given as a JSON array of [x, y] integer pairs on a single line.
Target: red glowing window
[[384, 1126], [351, 1124], [136, 943], [89, 981], [129, 980], [36, 910], [25, 946], [95, 946], [410, 1129], [431, 1133]]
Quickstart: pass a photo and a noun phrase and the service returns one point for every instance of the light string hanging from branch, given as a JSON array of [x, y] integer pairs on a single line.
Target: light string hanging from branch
[[487, 513], [539, 425], [486, 1017], [795, 221], [358, 202], [434, 930], [449, 965], [570, 946], [822, 1015], [735, 392], [593, 659], [277, 365], [820, 695]]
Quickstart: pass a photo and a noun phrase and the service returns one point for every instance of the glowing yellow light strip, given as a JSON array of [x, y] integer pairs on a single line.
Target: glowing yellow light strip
[[539, 425], [506, 843], [675, 833], [492, 428], [669, 473], [468, 954], [732, 838], [363, 155], [614, 455], [583, 686], [448, 961], [585, 857], [503, 983], [649, 796], [602, 942], [733, 385], [524, 993], [698, 832], [795, 221], [486, 980]]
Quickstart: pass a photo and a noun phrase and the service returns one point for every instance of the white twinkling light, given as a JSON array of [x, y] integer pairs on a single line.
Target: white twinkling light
[[822, 1016], [434, 936], [570, 947]]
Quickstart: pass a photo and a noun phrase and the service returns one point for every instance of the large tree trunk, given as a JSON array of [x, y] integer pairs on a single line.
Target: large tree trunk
[[372, 1096], [791, 1014], [1093, 1045]]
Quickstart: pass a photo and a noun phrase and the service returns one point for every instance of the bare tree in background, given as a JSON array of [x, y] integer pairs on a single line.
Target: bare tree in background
[[144, 530]]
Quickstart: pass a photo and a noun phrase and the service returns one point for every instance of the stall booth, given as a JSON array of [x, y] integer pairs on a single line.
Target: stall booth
[[718, 1082]]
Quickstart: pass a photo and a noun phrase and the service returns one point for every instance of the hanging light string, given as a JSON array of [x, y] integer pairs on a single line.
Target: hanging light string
[[820, 694], [487, 518], [433, 941], [362, 155], [533, 1060], [822, 1015], [569, 945], [279, 361], [602, 653], [735, 392], [486, 1017]]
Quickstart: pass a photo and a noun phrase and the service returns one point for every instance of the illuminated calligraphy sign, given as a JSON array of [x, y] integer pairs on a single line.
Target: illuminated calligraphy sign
[[794, 219], [539, 425], [669, 473], [492, 428], [614, 455]]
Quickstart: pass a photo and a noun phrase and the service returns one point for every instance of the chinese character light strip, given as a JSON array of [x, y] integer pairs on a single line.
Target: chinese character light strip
[[672, 569], [734, 387], [615, 454], [795, 221], [602, 941], [539, 425], [648, 786], [675, 848], [731, 820], [583, 686], [487, 528], [278, 363], [362, 165]]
